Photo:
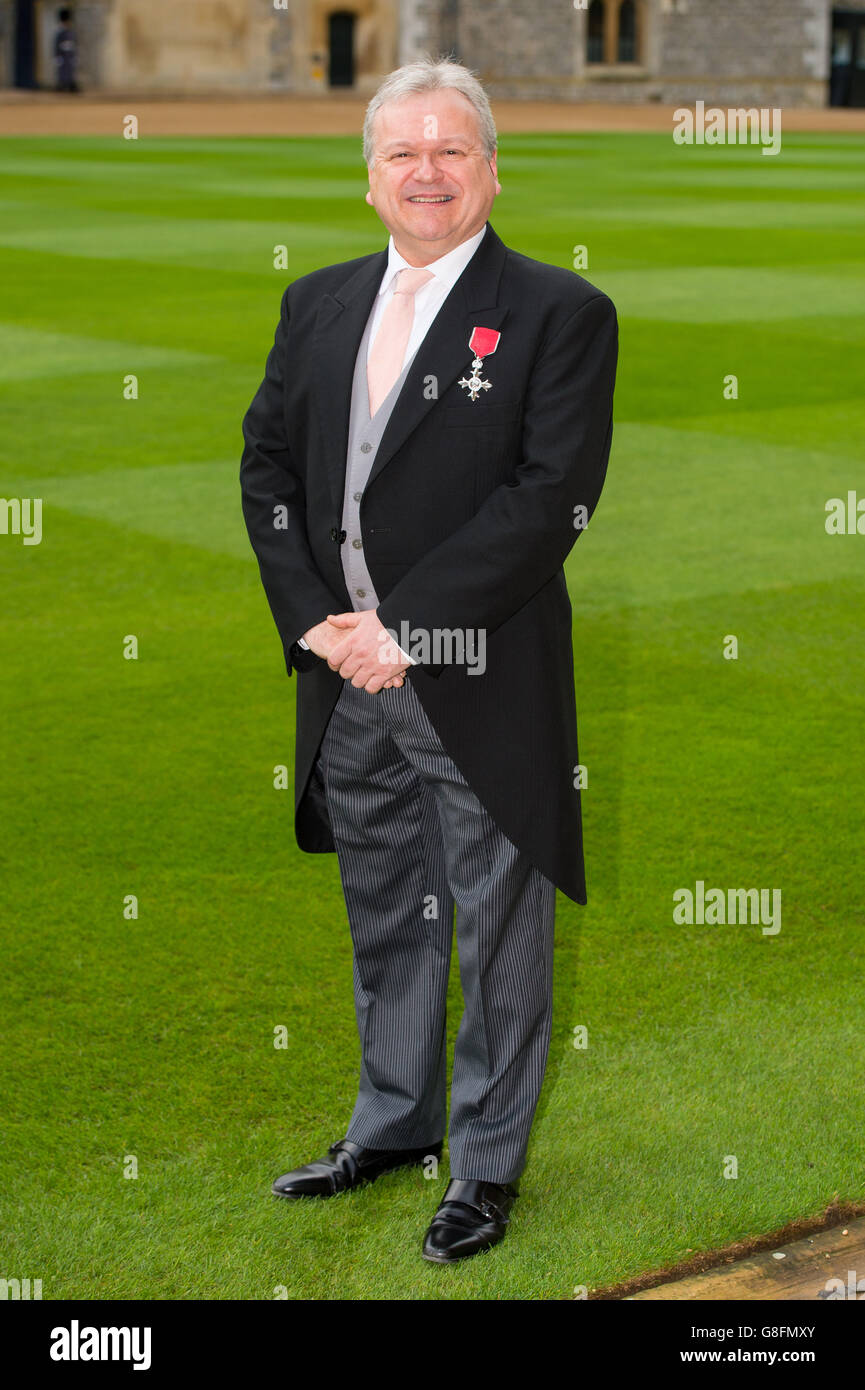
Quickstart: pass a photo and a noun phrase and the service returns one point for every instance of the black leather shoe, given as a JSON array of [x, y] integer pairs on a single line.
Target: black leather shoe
[[471, 1217], [347, 1165]]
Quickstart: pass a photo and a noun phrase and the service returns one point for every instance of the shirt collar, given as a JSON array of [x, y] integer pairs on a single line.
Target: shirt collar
[[447, 268]]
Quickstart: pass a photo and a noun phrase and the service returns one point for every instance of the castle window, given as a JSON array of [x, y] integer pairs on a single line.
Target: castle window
[[613, 32], [595, 42], [627, 44]]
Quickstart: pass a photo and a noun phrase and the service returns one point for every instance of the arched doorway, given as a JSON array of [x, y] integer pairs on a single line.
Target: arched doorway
[[340, 35]]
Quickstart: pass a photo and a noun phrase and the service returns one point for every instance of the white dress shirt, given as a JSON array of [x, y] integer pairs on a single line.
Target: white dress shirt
[[430, 297]]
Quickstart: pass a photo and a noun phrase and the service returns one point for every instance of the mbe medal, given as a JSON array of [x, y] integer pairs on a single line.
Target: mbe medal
[[483, 343]]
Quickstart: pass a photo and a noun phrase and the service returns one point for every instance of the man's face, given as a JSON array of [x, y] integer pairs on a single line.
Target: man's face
[[428, 147]]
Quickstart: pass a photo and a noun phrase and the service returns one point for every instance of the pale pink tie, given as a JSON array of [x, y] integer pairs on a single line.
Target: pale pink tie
[[384, 360]]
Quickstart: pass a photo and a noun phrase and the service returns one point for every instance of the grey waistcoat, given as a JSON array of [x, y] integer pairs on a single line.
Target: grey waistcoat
[[364, 437]]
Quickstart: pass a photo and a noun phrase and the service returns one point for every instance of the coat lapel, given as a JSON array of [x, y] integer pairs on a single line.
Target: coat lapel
[[444, 353], [338, 330]]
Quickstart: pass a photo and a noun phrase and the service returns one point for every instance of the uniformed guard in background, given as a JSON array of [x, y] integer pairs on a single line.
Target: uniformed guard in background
[[66, 52]]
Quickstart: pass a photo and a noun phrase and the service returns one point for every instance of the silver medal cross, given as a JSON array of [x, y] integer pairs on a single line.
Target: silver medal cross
[[475, 383]]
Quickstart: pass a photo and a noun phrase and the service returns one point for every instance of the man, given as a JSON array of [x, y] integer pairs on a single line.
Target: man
[[431, 434], [66, 52]]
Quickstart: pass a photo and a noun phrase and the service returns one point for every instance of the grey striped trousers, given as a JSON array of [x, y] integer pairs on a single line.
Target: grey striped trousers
[[412, 841]]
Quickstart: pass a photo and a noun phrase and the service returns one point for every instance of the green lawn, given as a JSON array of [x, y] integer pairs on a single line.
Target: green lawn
[[153, 1037]]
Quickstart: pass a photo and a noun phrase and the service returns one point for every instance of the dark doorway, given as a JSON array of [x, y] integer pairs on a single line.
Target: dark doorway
[[25, 44], [595, 33], [341, 45], [847, 74]]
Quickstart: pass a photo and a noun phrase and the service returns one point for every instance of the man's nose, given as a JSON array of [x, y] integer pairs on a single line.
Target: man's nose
[[428, 167]]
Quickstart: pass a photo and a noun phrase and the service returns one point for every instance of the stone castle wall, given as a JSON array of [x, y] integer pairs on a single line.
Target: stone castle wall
[[725, 52]]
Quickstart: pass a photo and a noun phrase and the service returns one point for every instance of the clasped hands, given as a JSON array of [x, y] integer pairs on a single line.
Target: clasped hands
[[360, 648]]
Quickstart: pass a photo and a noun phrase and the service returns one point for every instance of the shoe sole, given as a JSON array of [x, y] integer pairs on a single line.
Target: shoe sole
[[364, 1182], [457, 1259]]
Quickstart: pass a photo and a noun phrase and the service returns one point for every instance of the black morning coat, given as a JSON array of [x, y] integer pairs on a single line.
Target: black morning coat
[[467, 517]]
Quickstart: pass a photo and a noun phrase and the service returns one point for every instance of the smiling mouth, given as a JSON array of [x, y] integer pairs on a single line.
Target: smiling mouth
[[437, 198]]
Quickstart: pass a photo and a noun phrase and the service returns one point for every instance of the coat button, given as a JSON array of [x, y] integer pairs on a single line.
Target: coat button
[[337, 536]]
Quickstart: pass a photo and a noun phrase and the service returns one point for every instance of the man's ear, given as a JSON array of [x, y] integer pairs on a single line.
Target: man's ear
[[368, 197]]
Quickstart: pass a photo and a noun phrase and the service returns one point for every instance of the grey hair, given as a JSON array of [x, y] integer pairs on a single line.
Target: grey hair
[[431, 75]]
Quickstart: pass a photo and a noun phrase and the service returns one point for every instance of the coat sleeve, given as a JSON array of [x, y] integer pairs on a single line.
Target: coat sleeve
[[272, 491], [521, 535]]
